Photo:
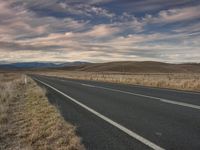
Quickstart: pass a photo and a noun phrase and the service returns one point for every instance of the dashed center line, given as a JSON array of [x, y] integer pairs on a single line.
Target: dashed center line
[[147, 96]]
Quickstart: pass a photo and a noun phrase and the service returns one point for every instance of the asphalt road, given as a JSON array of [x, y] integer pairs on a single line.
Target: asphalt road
[[124, 117]]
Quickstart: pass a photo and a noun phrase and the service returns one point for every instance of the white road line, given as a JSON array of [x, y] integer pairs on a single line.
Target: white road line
[[146, 96], [88, 85], [170, 90], [120, 127], [141, 95]]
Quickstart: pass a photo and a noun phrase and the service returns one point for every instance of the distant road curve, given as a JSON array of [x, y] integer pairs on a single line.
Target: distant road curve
[[115, 116]]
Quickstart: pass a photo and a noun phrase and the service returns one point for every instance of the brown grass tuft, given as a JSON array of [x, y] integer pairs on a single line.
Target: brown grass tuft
[[28, 121]]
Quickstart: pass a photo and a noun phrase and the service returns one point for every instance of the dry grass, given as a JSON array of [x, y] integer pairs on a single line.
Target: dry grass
[[7, 87], [183, 81], [28, 121]]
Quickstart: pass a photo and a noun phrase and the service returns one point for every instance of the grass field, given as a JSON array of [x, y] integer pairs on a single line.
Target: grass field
[[28, 121], [183, 81]]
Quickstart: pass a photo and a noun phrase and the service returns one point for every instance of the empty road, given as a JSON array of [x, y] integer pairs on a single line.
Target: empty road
[[124, 117]]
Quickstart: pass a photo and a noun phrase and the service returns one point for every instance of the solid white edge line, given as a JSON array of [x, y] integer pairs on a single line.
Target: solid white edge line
[[120, 127], [151, 97]]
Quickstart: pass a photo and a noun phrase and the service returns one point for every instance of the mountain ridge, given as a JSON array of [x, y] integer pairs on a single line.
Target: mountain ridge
[[37, 65]]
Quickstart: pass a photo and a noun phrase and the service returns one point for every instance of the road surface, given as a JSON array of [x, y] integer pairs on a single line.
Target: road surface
[[121, 117]]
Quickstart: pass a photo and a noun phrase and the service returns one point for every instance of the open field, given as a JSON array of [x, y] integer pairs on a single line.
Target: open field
[[183, 81], [28, 121]]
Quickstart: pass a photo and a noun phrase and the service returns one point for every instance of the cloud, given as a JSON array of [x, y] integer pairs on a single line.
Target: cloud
[[191, 27], [128, 21], [152, 5], [83, 9], [13, 46], [66, 7], [21, 23], [90, 29], [102, 30], [174, 15]]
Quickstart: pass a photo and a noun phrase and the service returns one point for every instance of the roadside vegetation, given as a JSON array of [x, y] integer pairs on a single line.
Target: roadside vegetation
[[182, 81], [28, 121]]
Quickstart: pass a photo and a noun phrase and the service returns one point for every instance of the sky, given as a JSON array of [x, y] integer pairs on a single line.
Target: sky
[[100, 30]]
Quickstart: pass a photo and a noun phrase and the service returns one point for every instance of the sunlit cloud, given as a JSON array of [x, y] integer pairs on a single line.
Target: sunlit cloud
[[95, 31]]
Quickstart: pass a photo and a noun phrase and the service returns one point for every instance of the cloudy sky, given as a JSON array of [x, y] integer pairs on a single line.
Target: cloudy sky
[[100, 30]]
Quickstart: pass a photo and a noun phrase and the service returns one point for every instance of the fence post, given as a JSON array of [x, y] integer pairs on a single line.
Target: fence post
[[25, 79]]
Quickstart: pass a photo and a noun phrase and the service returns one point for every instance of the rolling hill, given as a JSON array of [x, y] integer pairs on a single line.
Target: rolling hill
[[137, 67]]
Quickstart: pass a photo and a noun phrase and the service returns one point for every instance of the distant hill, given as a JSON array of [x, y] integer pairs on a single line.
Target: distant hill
[[137, 67], [123, 66], [38, 65]]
